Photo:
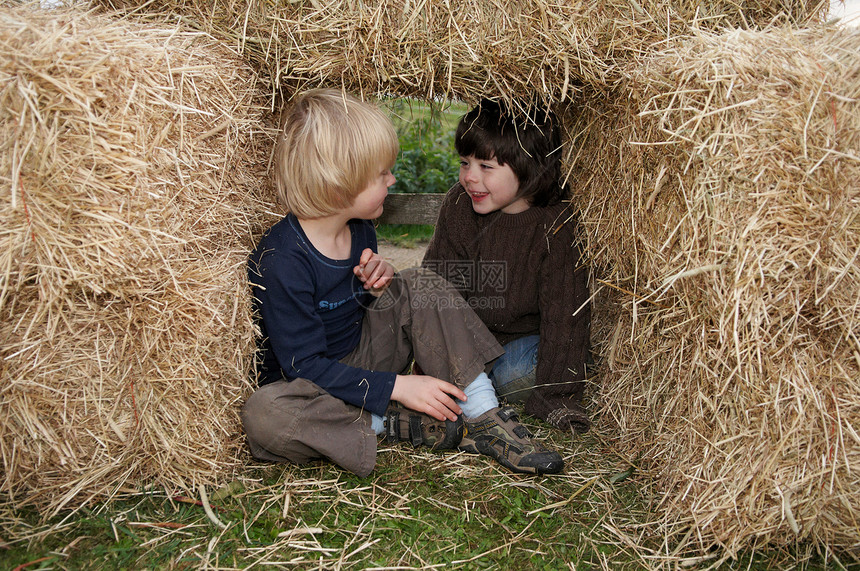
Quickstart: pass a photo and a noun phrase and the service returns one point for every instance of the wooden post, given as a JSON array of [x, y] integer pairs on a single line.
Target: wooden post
[[411, 208]]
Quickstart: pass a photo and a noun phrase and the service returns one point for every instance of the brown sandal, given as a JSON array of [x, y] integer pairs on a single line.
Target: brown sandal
[[406, 425]]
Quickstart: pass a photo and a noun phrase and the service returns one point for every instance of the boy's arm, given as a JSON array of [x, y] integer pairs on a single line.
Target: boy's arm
[[565, 313], [297, 336]]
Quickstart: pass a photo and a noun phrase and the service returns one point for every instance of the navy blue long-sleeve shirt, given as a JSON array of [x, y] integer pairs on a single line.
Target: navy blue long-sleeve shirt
[[310, 309]]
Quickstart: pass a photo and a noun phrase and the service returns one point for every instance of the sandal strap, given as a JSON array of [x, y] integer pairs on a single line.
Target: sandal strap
[[392, 426], [415, 431]]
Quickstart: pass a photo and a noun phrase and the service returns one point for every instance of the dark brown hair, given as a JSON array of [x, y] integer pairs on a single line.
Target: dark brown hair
[[528, 143]]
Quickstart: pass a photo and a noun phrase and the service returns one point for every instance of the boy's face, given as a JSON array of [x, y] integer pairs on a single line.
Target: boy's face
[[491, 186], [368, 204]]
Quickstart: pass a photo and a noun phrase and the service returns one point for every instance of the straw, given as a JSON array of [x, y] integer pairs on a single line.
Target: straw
[[134, 184], [720, 196], [457, 49]]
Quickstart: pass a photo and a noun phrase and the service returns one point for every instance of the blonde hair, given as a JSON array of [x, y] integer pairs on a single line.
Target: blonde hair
[[331, 146]]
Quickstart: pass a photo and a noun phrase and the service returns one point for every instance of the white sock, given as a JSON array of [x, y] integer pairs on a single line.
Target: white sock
[[377, 423], [481, 397]]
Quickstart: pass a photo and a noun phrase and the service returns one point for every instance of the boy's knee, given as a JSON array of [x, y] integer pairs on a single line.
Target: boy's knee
[[270, 417], [266, 401]]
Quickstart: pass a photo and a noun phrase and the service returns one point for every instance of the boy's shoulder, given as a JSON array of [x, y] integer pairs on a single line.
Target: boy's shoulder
[[284, 239], [458, 203], [287, 238], [279, 233], [455, 192]]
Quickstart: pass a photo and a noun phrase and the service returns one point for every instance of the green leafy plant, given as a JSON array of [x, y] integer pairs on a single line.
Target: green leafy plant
[[427, 161]]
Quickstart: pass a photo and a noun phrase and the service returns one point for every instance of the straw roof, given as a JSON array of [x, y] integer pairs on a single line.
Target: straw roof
[[132, 180], [720, 191], [462, 49]]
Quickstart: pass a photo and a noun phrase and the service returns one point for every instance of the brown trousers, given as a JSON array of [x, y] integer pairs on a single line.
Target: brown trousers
[[420, 316]]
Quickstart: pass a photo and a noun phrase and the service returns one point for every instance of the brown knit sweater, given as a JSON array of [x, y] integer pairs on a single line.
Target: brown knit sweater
[[523, 275]]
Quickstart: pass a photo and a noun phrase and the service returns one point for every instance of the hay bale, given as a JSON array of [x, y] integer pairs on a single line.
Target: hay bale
[[721, 199], [463, 48], [133, 178]]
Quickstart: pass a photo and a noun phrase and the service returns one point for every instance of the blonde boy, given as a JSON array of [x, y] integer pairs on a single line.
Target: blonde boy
[[340, 328]]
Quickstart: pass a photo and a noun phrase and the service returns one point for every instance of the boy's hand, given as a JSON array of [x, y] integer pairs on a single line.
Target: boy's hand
[[374, 272], [429, 395]]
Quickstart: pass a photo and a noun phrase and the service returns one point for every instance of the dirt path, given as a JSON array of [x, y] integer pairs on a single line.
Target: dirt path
[[402, 258]]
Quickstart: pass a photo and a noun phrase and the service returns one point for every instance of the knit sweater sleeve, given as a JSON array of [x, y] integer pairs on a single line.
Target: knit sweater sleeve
[[451, 235], [565, 313]]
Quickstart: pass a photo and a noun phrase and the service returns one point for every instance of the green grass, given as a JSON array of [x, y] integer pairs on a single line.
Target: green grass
[[418, 510], [405, 235]]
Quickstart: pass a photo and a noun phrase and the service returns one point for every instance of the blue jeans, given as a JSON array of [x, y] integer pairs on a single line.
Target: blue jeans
[[513, 373]]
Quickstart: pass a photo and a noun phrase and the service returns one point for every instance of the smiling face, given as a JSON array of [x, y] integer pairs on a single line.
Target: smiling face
[[367, 204], [491, 186]]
